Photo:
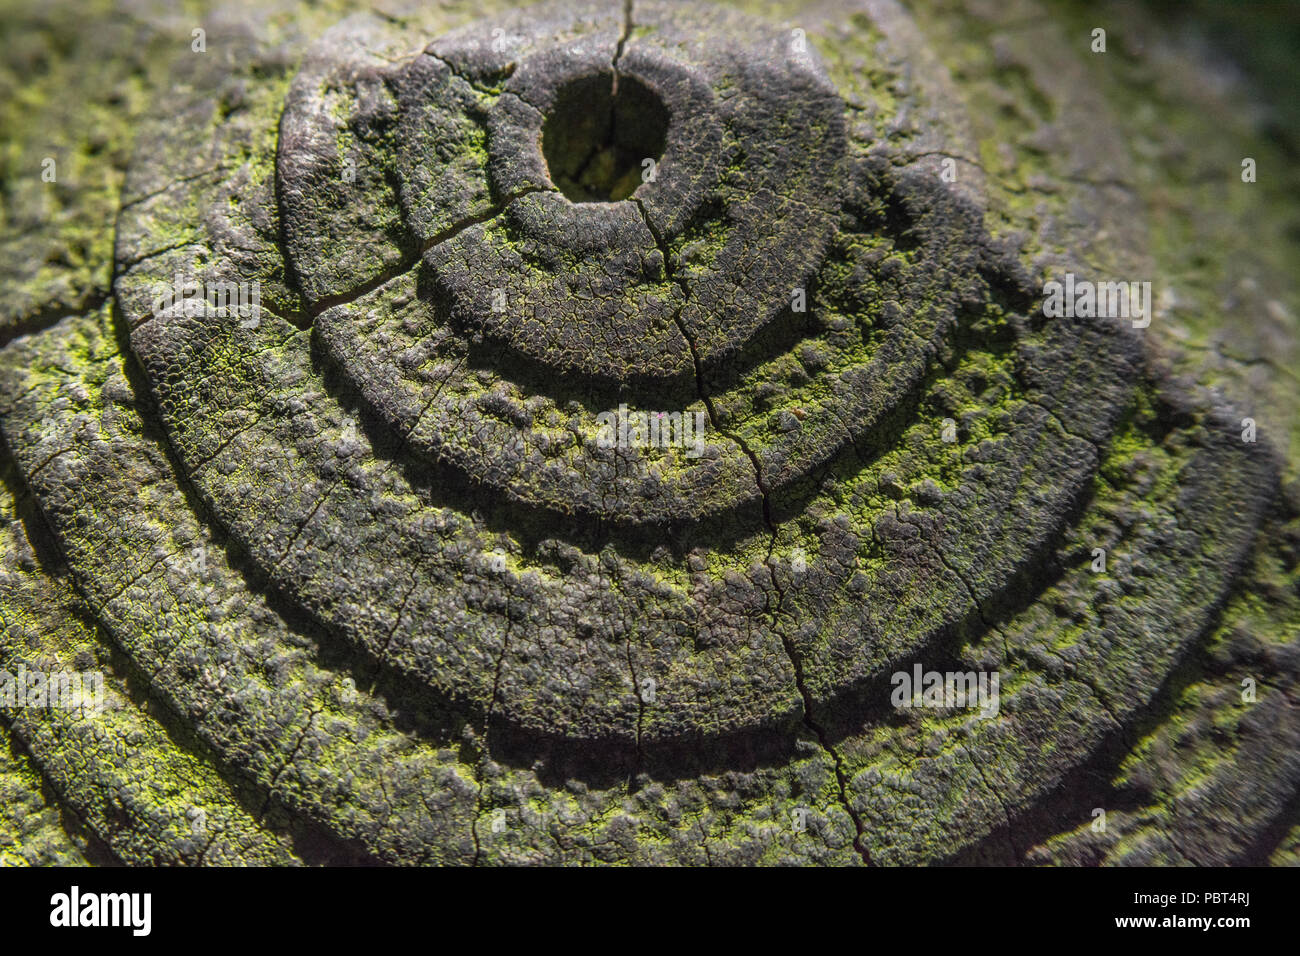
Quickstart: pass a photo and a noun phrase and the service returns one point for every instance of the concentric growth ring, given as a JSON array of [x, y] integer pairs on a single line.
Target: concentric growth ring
[[749, 176]]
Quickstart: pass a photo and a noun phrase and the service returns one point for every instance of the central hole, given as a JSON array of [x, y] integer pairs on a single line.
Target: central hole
[[599, 136]]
